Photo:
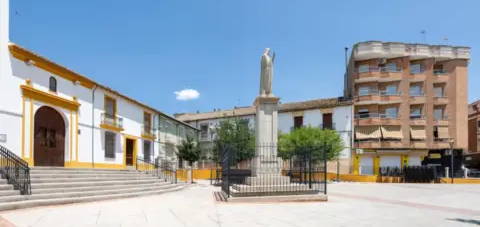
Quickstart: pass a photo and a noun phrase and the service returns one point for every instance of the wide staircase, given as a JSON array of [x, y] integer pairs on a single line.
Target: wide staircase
[[58, 185]]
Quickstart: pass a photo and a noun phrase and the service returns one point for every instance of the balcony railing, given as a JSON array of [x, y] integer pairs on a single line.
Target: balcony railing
[[376, 115], [112, 120], [441, 118], [440, 72], [390, 93], [148, 132], [416, 116], [384, 69]]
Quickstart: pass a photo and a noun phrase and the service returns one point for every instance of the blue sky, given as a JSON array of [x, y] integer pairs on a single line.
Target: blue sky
[[148, 49]]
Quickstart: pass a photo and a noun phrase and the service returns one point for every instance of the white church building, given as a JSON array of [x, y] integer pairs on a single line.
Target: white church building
[[53, 116]]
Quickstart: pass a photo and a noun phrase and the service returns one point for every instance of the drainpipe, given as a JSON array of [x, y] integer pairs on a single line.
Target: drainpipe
[[93, 125]]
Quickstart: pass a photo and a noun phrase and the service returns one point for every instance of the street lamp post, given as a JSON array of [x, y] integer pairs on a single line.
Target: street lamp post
[[451, 141]]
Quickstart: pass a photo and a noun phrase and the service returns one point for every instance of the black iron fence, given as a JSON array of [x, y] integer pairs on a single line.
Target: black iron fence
[[411, 174], [160, 168], [271, 170], [15, 170]]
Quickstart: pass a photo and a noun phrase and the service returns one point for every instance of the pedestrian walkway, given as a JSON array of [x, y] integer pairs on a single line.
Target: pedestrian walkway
[[350, 204]]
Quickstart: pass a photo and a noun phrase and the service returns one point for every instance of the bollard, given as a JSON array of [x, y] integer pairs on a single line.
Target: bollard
[[447, 175], [465, 173]]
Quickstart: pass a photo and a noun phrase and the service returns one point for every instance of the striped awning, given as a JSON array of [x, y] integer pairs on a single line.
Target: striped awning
[[418, 132], [443, 132], [392, 132], [367, 132]]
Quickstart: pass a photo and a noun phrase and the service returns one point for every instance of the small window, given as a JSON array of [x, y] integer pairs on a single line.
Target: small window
[[416, 90], [478, 124], [204, 131], [416, 68], [391, 112], [416, 112], [110, 144], [363, 113], [439, 91], [435, 132], [364, 68], [439, 113], [52, 84], [438, 69], [390, 89], [147, 151], [364, 90], [390, 67], [298, 122]]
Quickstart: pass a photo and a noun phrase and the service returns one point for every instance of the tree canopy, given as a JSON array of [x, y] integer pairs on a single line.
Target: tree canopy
[[235, 135], [189, 150], [311, 141]]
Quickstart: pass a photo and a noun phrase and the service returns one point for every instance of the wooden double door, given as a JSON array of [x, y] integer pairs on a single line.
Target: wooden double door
[[49, 138]]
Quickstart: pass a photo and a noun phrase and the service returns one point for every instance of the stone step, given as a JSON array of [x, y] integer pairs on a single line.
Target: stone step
[[82, 193], [74, 171], [6, 187], [89, 179], [45, 202], [9, 192], [44, 168], [94, 188], [85, 175], [94, 183]]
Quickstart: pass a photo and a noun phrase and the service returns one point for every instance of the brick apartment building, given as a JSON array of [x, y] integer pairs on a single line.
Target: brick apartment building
[[409, 100]]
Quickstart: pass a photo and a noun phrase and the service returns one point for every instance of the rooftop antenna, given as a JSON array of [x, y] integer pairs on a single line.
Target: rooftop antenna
[[424, 35]]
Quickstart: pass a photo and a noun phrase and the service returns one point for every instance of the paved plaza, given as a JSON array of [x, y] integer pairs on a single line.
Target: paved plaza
[[350, 204]]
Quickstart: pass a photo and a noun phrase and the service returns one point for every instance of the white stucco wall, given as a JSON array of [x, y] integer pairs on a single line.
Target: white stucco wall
[[14, 107]]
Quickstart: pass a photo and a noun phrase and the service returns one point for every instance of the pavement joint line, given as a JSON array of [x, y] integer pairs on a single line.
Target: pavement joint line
[[410, 204]]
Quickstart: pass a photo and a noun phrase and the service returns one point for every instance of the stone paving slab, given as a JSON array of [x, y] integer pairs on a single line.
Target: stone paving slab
[[349, 204]]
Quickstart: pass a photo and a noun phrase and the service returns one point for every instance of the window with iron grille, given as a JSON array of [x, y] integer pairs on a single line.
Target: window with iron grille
[[147, 152], [110, 144]]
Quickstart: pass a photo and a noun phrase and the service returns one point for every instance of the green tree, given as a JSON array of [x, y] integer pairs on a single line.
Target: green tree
[[309, 140], [189, 150], [237, 136]]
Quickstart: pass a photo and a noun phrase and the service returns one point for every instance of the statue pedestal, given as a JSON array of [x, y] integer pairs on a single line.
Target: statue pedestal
[[266, 133]]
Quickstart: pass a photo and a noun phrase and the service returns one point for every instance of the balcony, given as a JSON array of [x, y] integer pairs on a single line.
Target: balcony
[[440, 144], [440, 100], [378, 97], [148, 133], [369, 144], [417, 119], [376, 119], [111, 122], [417, 76], [373, 144], [421, 144], [440, 120], [379, 74], [417, 98]]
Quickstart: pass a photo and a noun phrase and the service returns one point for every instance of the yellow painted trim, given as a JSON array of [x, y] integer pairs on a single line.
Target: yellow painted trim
[[404, 161], [356, 164], [23, 127], [97, 165], [32, 125], [148, 137], [376, 165], [32, 93], [71, 135], [135, 144], [45, 64], [111, 127], [76, 136]]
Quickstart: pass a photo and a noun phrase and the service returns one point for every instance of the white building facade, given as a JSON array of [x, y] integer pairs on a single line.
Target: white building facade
[[333, 113], [52, 116]]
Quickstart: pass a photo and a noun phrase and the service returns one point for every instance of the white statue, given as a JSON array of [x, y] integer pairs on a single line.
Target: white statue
[[266, 73]]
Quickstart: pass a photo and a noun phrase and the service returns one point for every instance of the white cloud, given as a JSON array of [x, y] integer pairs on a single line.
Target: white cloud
[[187, 94]]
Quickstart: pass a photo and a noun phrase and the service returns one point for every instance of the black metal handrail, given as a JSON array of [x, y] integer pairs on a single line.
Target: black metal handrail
[[161, 168], [15, 170]]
